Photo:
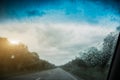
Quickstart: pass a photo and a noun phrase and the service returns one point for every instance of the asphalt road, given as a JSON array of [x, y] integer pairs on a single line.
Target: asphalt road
[[53, 74]]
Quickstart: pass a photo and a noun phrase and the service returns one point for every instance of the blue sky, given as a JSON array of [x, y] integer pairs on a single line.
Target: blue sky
[[58, 29], [60, 10]]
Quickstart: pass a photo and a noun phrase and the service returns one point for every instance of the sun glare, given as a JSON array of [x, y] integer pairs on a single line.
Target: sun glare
[[14, 41]]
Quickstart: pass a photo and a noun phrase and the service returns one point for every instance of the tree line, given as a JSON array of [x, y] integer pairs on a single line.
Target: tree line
[[16, 58], [94, 63]]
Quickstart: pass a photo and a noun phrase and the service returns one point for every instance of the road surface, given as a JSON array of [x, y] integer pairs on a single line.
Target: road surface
[[53, 74]]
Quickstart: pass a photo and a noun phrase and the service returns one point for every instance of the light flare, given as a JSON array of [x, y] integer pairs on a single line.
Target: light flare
[[14, 41]]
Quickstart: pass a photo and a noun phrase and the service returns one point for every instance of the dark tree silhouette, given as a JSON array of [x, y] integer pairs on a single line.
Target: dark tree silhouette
[[16, 58]]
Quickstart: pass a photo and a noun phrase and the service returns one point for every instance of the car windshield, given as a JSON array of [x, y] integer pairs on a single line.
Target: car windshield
[[57, 39]]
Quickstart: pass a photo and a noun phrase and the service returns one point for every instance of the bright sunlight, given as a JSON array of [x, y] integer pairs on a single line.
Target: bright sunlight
[[14, 41]]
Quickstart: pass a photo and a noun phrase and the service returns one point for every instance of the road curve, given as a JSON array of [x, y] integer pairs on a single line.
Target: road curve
[[53, 74]]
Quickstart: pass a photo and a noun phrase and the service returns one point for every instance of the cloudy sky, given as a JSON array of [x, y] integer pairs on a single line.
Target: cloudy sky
[[58, 29]]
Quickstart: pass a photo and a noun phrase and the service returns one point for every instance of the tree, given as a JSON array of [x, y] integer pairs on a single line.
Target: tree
[[17, 58], [95, 57], [92, 56], [108, 48]]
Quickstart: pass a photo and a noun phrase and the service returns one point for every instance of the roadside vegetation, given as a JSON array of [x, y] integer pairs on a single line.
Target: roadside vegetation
[[17, 59], [94, 63]]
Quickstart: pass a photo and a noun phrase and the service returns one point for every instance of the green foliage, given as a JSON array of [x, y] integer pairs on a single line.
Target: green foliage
[[101, 58], [16, 58], [92, 57], [94, 63]]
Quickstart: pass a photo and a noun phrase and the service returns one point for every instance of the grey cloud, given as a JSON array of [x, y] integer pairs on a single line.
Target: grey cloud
[[14, 28], [57, 43], [66, 40], [54, 36]]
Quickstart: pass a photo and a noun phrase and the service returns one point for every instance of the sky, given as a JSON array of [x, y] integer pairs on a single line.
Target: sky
[[58, 29]]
